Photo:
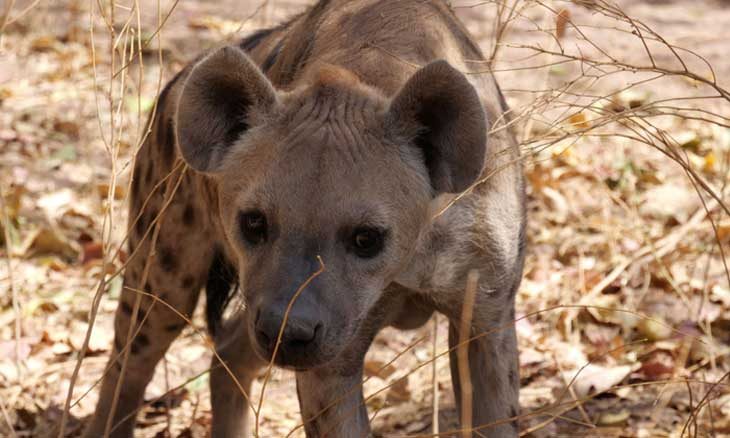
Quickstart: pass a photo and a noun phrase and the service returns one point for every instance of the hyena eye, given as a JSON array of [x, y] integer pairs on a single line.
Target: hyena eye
[[253, 227], [367, 242]]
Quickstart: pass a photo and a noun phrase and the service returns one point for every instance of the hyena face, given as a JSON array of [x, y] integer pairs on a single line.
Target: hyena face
[[334, 170]]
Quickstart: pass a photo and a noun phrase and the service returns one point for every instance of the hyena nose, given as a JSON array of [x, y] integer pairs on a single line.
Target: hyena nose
[[300, 332]]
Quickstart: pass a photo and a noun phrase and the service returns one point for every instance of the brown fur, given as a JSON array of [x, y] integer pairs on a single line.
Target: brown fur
[[352, 116]]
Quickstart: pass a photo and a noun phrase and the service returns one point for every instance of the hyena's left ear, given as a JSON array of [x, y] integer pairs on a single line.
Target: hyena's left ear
[[216, 105], [440, 111]]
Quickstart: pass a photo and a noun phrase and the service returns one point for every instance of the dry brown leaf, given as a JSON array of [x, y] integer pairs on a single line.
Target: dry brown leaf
[[594, 379], [561, 22], [119, 190], [378, 368], [92, 251], [399, 392], [654, 328], [48, 241], [659, 365], [579, 120]]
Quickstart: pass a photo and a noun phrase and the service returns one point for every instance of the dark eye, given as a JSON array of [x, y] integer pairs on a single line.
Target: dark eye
[[367, 242], [253, 227]]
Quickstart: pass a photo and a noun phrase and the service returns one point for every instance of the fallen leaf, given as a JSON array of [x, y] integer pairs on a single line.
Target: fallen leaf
[[378, 368], [608, 418], [689, 140], [67, 127], [119, 190], [92, 251], [45, 241], [659, 365], [709, 164], [66, 153], [669, 201], [594, 379], [561, 22], [398, 391], [723, 231], [44, 43], [654, 328], [578, 120]]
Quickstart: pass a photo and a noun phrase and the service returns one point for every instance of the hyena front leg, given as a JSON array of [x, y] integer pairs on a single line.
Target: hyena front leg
[[330, 396], [230, 385], [332, 403], [172, 264], [493, 368]]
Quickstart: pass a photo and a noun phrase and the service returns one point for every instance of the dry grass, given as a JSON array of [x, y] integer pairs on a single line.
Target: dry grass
[[624, 321]]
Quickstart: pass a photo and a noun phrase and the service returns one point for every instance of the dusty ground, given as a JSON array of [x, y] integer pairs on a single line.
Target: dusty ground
[[615, 223]]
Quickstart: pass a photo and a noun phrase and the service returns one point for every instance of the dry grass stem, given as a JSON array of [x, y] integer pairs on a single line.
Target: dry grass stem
[[462, 352]]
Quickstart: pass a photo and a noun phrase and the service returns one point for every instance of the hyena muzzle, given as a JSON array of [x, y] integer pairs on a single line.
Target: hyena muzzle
[[335, 142]]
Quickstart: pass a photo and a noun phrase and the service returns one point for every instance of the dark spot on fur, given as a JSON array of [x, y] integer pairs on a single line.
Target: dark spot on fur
[[118, 344], [252, 41], [167, 259], [150, 174], [140, 341], [140, 226], [188, 281], [161, 103], [299, 43], [174, 327], [135, 186], [125, 307], [168, 146], [145, 221], [272, 57], [163, 94], [151, 216], [188, 215], [161, 135], [141, 316], [513, 413], [222, 282]]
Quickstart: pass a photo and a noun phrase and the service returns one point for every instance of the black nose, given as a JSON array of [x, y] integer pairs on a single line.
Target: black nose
[[300, 334]]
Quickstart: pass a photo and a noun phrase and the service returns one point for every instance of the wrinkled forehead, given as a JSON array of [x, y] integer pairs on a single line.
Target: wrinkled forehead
[[329, 171], [328, 155]]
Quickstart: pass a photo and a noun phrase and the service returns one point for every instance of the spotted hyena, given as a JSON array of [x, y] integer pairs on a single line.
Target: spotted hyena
[[334, 141]]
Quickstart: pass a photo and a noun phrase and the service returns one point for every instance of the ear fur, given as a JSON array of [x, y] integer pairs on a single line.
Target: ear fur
[[215, 105], [441, 111]]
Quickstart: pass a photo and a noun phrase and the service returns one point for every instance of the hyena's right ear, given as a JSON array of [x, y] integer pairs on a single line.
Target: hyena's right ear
[[216, 105]]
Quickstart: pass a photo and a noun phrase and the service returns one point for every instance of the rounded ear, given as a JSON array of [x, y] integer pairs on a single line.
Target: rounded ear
[[215, 106], [440, 111]]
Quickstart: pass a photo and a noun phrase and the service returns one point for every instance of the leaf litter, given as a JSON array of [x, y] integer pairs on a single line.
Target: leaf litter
[[646, 357]]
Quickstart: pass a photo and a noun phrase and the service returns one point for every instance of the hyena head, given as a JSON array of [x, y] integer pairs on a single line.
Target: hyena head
[[332, 169]]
